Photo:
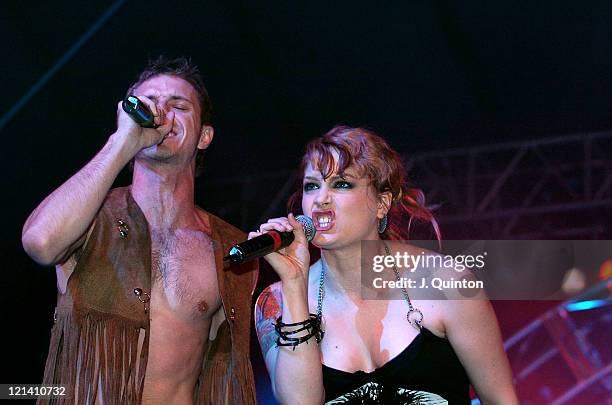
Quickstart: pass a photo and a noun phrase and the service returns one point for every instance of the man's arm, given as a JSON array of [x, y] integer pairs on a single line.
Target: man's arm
[[58, 225]]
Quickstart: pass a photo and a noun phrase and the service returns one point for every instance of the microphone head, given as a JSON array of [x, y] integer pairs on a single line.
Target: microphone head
[[309, 226]]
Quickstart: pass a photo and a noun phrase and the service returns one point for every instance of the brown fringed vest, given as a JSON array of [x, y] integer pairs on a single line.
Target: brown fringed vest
[[99, 320]]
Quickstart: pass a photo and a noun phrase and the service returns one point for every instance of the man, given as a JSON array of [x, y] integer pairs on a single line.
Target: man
[[146, 310]]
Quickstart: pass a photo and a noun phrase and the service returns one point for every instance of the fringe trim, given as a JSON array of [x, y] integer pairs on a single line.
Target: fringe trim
[[96, 358], [227, 382]]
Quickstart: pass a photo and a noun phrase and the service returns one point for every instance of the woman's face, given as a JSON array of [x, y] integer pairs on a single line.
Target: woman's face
[[345, 210]]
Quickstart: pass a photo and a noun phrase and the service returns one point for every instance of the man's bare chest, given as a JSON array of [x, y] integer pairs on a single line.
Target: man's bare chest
[[183, 270]]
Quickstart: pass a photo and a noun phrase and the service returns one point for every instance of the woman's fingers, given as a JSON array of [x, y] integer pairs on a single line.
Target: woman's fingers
[[289, 260], [298, 228], [278, 224], [253, 234]]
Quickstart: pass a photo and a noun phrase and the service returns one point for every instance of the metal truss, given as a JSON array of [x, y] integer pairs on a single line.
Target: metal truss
[[563, 356], [548, 188]]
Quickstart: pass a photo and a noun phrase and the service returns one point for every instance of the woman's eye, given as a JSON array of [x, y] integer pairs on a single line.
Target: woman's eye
[[343, 184], [310, 186], [180, 108]]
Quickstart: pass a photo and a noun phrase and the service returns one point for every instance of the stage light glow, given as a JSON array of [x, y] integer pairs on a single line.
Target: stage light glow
[[605, 270], [585, 305]]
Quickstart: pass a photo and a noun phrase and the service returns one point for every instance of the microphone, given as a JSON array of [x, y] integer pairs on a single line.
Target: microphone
[[139, 112], [269, 242]]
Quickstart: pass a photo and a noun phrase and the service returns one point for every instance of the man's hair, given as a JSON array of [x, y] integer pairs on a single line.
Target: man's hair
[[183, 68]]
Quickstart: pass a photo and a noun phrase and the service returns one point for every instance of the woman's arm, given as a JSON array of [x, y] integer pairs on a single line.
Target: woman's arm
[[472, 329], [296, 375]]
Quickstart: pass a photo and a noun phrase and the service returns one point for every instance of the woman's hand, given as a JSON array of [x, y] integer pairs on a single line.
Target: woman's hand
[[293, 261]]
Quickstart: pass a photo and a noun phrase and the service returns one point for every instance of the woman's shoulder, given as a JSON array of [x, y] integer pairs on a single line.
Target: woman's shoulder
[[444, 286], [270, 294]]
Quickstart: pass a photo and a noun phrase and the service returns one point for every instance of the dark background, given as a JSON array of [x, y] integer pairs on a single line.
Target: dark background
[[425, 75]]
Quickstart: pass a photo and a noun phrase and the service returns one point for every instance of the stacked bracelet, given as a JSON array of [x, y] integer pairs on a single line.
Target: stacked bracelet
[[287, 331]]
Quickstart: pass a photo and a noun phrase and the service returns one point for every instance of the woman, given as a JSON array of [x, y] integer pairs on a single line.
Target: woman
[[322, 342]]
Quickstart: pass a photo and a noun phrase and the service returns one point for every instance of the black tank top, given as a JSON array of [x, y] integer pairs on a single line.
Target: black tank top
[[427, 371]]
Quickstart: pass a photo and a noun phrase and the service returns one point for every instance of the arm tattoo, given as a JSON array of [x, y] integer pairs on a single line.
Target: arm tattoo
[[268, 310]]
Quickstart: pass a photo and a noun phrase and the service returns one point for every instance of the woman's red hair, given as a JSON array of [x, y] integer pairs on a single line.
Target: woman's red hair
[[371, 156]]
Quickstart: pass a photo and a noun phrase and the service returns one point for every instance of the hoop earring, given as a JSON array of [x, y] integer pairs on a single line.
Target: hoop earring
[[382, 224]]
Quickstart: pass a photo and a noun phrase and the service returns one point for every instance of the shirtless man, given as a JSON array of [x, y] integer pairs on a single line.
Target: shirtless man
[[146, 312]]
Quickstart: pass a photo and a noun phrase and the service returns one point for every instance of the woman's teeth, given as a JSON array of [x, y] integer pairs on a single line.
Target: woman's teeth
[[324, 221]]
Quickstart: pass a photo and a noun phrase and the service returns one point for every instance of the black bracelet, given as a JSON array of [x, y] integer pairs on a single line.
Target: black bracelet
[[285, 337]]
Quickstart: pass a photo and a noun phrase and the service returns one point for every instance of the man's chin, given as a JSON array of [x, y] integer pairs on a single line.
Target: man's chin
[[158, 153]]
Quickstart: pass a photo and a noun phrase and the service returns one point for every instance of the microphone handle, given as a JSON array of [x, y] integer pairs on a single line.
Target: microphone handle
[[259, 246], [139, 112]]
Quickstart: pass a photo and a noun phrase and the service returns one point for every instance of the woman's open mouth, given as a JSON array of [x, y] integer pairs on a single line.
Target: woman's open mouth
[[323, 220]]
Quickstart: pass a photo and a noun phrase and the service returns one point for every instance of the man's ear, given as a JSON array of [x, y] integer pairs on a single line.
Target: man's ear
[[206, 136], [384, 204]]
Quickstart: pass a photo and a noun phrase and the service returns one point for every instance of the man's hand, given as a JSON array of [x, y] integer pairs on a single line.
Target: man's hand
[[139, 137]]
